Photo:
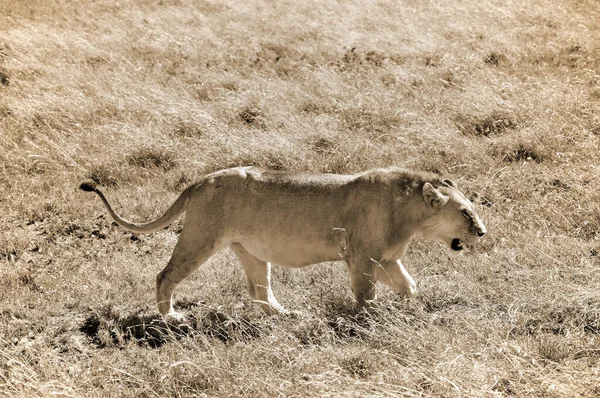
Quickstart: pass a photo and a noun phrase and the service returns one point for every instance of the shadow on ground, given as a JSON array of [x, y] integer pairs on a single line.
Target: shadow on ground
[[147, 330], [106, 328]]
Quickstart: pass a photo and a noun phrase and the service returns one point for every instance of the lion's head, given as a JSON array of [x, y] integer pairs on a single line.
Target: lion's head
[[454, 221]]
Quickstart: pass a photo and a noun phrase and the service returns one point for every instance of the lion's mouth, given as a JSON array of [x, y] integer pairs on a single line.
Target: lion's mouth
[[456, 245]]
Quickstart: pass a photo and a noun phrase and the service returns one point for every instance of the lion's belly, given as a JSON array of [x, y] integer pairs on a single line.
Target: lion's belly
[[290, 251], [289, 230]]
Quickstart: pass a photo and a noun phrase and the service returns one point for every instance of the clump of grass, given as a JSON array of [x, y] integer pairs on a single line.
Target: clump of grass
[[371, 122], [9, 253], [312, 332], [323, 146], [157, 158], [53, 121], [350, 59], [4, 78], [375, 58], [267, 159], [106, 176], [4, 51], [252, 116], [278, 58], [317, 107], [495, 58], [187, 129], [450, 79], [436, 161], [594, 127], [492, 58], [5, 111], [492, 124], [230, 329], [573, 314], [182, 181], [553, 348], [204, 93], [504, 386], [525, 146], [570, 56], [522, 152], [354, 58], [432, 61], [352, 325], [440, 301], [27, 280], [359, 366]]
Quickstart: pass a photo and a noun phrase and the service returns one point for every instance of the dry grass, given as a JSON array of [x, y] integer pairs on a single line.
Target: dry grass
[[145, 96]]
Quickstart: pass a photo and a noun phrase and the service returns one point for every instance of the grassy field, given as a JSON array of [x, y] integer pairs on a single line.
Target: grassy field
[[146, 96]]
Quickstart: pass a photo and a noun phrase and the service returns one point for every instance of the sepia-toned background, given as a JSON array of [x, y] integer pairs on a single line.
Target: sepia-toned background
[[146, 96]]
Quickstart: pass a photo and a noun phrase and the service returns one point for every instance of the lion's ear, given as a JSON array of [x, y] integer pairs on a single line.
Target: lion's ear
[[434, 197], [451, 184]]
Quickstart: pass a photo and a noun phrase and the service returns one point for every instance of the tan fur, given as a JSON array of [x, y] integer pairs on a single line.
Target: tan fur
[[296, 219]]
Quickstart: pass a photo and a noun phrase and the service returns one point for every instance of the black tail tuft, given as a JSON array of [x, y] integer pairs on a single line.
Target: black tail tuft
[[88, 186]]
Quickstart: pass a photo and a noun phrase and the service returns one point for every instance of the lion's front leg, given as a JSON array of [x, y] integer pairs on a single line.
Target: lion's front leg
[[363, 277], [394, 275]]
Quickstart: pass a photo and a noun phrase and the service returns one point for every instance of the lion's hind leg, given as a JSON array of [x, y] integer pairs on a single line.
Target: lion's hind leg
[[189, 254], [258, 274]]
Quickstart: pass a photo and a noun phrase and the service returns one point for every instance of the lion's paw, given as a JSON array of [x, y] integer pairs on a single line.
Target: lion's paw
[[294, 314], [174, 317]]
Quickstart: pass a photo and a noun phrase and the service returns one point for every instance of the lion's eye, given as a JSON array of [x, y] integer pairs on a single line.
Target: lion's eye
[[466, 214]]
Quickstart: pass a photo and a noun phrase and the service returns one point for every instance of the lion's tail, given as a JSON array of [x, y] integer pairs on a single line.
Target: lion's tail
[[167, 218]]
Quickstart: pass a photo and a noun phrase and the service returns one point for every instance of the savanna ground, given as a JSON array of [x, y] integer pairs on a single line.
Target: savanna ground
[[146, 96]]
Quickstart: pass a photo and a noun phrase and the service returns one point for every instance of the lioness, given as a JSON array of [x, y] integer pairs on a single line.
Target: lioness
[[297, 219]]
